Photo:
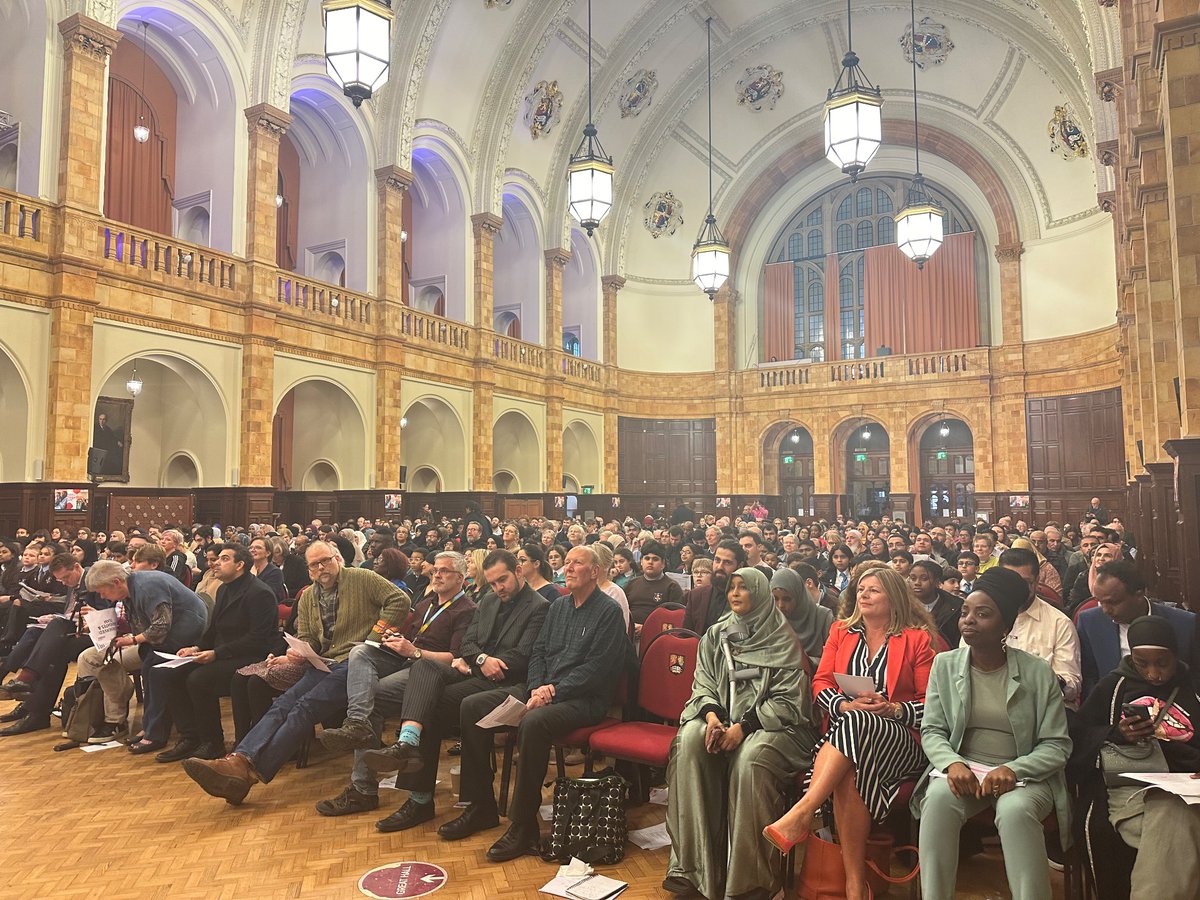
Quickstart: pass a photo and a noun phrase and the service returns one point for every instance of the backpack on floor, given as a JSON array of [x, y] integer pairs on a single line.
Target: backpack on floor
[[83, 709]]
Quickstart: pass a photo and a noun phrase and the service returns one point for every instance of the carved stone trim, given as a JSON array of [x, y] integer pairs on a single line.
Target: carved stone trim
[[1108, 152], [1110, 84], [486, 222], [85, 35], [612, 282], [1107, 201], [269, 120], [1177, 34], [393, 178], [559, 256], [1006, 253], [1151, 193]]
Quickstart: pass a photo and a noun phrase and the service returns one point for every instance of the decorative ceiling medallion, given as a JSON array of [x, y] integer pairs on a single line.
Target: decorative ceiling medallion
[[1066, 137], [637, 92], [664, 213], [542, 108], [932, 43], [761, 87]]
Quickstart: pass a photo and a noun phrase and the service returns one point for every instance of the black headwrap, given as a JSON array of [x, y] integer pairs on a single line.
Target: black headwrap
[[1153, 631], [1008, 591]]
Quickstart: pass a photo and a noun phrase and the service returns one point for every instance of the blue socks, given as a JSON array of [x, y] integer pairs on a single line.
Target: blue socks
[[410, 735], [421, 797]]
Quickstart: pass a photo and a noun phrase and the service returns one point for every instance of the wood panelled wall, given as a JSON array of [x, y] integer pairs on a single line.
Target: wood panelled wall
[[675, 457], [1076, 452]]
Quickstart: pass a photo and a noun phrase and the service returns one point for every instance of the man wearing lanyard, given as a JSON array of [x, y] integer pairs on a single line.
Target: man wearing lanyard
[[377, 676]]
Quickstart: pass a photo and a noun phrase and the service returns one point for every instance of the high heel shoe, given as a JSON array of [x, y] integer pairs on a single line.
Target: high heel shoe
[[779, 842]]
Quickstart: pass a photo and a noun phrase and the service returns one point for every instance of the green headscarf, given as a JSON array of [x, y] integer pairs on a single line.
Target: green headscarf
[[771, 642], [810, 621]]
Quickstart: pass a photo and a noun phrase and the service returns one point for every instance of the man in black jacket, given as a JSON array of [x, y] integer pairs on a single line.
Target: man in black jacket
[[241, 630], [494, 653]]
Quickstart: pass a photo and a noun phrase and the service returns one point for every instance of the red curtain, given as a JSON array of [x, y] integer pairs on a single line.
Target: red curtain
[[136, 188], [779, 307], [915, 310], [833, 272]]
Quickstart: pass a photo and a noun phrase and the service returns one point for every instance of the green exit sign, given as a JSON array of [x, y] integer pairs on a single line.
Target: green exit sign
[[788, 460], [860, 457], [587, 488], [941, 454]]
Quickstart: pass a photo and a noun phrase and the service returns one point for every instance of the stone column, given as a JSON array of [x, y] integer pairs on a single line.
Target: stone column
[[69, 388], [258, 411], [610, 285], [554, 434], [609, 448], [725, 408], [556, 262], [267, 126], [482, 433], [87, 45], [391, 183], [485, 227], [1160, 306], [1010, 463]]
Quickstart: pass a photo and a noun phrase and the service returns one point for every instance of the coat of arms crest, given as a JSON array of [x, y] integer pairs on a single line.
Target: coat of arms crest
[[664, 213], [931, 43], [637, 92], [760, 87], [1066, 137], [542, 107], [677, 663]]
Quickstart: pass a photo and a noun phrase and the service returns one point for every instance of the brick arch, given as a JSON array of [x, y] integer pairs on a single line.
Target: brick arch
[[937, 141]]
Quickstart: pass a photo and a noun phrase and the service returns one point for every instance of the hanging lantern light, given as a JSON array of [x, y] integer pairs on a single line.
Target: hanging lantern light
[[944, 431], [920, 225], [710, 253], [134, 384], [141, 133], [853, 114], [866, 433], [358, 36], [590, 172]]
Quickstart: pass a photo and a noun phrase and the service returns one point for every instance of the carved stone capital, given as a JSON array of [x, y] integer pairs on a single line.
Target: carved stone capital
[[1110, 84], [612, 283], [1108, 152], [1107, 201], [268, 120], [488, 223], [559, 256], [85, 35], [1006, 253], [393, 178], [1107, 4]]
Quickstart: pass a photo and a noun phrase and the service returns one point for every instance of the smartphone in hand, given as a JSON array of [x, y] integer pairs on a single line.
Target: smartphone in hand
[[1135, 711]]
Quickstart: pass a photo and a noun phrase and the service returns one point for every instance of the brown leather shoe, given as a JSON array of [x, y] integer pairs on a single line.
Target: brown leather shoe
[[229, 778]]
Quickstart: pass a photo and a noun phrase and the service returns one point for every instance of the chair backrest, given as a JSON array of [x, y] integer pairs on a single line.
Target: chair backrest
[[1090, 604], [662, 618], [667, 671]]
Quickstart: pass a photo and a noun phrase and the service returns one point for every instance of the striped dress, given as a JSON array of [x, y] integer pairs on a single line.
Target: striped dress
[[883, 751]]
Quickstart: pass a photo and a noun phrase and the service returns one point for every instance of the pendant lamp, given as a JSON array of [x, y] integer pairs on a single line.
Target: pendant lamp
[[590, 172], [710, 253]]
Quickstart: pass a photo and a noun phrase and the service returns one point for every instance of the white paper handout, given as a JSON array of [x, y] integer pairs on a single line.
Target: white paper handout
[[684, 581], [510, 712], [173, 661], [651, 838], [102, 627], [979, 769], [596, 887], [855, 685], [294, 643], [93, 748], [1181, 784]]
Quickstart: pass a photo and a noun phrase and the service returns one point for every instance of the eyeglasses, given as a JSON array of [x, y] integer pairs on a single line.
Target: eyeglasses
[[320, 564], [444, 571]]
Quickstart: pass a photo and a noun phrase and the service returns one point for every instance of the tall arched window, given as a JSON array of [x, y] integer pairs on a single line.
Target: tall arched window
[[845, 221]]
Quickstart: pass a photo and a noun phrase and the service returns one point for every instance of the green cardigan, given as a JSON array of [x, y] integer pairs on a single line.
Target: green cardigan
[[364, 598], [1035, 709]]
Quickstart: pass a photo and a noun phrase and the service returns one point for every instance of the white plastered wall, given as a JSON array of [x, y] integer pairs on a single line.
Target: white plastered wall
[[519, 444], [583, 430], [25, 341], [437, 439], [1068, 280]]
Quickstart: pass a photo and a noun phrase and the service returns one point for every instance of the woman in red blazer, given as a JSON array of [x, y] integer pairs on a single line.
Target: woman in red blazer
[[873, 738]]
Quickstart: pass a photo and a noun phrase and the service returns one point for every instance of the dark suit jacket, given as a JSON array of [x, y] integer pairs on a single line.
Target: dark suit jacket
[[512, 643], [244, 620], [702, 610], [1100, 641]]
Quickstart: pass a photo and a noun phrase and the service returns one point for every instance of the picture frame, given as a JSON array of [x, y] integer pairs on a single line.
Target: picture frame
[[72, 499], [112, 432]]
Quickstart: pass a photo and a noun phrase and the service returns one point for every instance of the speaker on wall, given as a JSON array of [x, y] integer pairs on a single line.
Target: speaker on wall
[[403, 474]]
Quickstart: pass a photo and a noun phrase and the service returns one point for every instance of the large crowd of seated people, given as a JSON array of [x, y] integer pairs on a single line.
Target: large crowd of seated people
[[868, 670]]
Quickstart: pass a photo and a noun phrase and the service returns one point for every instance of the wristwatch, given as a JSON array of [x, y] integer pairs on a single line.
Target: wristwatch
[[417, 654], [481, 659]]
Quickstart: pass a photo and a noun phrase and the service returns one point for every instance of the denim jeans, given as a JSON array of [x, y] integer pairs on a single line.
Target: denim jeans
[[367, 666], [389, 700]]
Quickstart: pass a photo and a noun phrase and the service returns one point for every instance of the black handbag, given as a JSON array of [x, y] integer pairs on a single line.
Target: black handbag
[[589, 820]]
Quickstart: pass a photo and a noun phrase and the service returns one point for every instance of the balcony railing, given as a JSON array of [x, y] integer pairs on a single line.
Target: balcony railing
[[917, 365], [777, 376], [522, 354], [165, 260], [582, 370], [426, 328], [315, 300], [22, 219]]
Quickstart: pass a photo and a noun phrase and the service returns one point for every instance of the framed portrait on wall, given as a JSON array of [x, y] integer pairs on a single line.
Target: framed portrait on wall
[[112, 423]]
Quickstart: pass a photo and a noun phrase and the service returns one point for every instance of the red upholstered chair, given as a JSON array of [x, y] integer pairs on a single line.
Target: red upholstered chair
[[664, 688], [580, 738], [1090, 604], [662, 618]]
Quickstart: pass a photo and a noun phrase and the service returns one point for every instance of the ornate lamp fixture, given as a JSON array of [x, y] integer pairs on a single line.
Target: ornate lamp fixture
[[358, 35], [944, 431], [853, 114], [920, 225], [134, 384], [141, 133], [866, 433], [590, 172], [710, 253]]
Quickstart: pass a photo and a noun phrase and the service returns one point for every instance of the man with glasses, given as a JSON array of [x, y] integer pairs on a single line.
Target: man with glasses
[[241, 628], [342, 607]]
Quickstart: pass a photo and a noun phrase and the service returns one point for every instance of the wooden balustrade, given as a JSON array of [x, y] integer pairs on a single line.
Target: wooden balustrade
[[426, 328], [316, 300], [132, 252]]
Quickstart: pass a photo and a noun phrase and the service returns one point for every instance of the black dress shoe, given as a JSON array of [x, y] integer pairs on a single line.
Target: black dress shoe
[[16, 714], [475, 818], [183, 750], [402, 758], [209, 750], [25, 726], [408, 816], [679, 886], [519, 840]]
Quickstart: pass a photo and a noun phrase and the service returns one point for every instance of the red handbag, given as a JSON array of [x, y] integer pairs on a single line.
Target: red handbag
[[823, 876]]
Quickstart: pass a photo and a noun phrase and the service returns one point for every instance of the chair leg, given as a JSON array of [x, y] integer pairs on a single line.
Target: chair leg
[[137, 688], [505, 778], [302, 752], [560, 761]]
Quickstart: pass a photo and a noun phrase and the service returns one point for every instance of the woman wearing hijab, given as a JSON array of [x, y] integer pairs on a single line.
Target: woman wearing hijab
[[1115, 817], [734, 757], [810, 621], [1049, 586], [1084, 588], [995, 733]]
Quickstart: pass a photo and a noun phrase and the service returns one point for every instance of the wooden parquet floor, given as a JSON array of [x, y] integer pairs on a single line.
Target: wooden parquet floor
[[109, 825]]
